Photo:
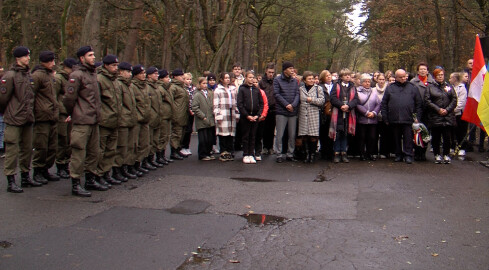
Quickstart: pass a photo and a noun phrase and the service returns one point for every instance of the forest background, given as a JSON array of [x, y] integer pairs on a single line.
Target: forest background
[[199, 35]]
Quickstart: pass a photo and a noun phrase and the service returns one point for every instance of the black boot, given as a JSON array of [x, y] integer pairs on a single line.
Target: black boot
[[312, 151], [63, 171], [169, 160], [134, 170], [26, 180], [77, 189], [12, 186], [92, 184], [175, 155], [153, 162], [107, 180], [39, 176], [117, 174], [49, 176], [160, 158], [146, 165], [125, 172], [140, 168]]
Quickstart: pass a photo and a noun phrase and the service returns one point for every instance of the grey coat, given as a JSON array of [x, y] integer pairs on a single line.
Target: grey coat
[[309, 113], [203, 107]]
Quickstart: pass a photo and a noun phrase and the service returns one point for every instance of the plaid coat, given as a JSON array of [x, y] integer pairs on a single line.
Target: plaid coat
[[225, 113], [309, 113]]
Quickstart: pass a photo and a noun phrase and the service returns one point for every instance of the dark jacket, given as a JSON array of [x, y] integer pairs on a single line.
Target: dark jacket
[[156, 104], [343, 98], [16, 96], [180, 103], [60, 80], [82, 96], [111, 98], [286, 91], [422, 90], [267, 86], [167, 106], [400, 103], [249, 101], [45, 104], [440, 96], [128, 117], [143, 102]]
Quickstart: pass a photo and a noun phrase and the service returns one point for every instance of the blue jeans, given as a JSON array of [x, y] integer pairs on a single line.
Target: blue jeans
[[2, 129], [341, 143]]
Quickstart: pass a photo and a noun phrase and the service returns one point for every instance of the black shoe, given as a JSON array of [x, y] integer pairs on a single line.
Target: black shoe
[[409, 159], [280, 159], [398, 159], [26, 181], [291, 159], [337, 158], [63, 171], [139, 168], [153, 162], [117, 175], [125, 172], [39, 176], [77, 189], [160, 158], [12, 186], [104, 180], [176, 156], [132, 170], [49, 176], [372, 158], [344, 157], [92, 184], [146, 165]]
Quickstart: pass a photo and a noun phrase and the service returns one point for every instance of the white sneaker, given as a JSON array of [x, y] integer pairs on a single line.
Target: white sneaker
[[258, 158], [252, 160], [246, 160], [461, 152], [183, 153], [446, 159], [438, 159], [214, 150], [188, 152]]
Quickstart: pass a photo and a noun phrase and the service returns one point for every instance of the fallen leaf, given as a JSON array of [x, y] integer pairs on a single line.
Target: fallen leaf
[[172, 229], [408, 262], [248, 206], [401, 238], [434, 254], [380, 209], [478, 232], [233, 261], [251, 211], [443, 241]]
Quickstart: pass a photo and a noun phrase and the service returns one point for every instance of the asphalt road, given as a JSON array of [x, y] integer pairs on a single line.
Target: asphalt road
[[368, 215]]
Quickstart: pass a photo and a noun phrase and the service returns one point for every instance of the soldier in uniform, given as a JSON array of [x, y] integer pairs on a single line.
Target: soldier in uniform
[[111, 99], [46, 115], [155, 115], [166, 115], [180, 112], [143, 106], [127, 121], [63, 152], [82, 103], [16, 104]]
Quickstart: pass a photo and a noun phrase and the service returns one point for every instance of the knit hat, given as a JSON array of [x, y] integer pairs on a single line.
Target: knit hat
[[211, 76], [125, 66], [137, 69], [177, 72], [110, 59], [46, 56], [162, 73], [21, 51], [83, 50], [286, 65], [151, 70], [70, 62]]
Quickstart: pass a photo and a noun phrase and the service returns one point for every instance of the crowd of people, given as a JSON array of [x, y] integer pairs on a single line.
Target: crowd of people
[[112, 121]]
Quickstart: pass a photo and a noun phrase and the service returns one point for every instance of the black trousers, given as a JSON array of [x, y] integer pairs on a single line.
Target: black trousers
[[259, 138], [403, 139], [269, 130], [386, 145], [248, 132], [187, 132], [436, 135], [367, 138], [326, 142], [226, 144], [459, 132], [206, 140]]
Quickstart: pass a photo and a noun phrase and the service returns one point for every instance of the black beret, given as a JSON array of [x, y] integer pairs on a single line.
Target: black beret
[[83, 50], [137, 69], [21, 51], [46, 56], [70, 62], [151, 70], [177, 72], [211, 76], [98, 64], [287, 65], [110, 59], [162, 73], [125, 66]]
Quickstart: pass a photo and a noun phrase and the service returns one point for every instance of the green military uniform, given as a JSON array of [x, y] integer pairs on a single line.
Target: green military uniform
[[111, 107], [82, 102], [166, 115], [46, 115], [143, 104], [180, 113], [127, 121], [154, 116], [16, 104], [63, 152]]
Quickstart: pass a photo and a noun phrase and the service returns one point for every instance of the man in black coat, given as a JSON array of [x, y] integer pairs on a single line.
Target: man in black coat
[[400, 103]]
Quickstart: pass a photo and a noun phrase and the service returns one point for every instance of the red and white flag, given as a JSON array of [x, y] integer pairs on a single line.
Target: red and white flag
[[479, 71]]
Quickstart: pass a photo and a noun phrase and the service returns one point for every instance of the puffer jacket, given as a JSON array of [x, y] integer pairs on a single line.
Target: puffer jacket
[[286, 91], [60, 80], [167, 106], [82, 96], [143, 102], [111, 98], [367, 102], [45, 104], [16, 96], [267, 86], [400, 103], [440, 96], [156, 105], [128, 117], [180, 103], [249, 101]]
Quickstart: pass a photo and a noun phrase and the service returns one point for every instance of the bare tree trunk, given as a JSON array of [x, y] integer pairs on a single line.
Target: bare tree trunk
[[133, 36], [91, 27], [2, 44], [25, 22], [439, 29], [456, 36], [64, 16]]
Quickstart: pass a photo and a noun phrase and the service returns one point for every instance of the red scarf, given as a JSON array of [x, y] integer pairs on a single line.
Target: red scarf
[[352, 119], [424, 79]]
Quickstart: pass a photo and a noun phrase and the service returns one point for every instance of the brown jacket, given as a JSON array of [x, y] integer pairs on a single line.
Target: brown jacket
[[129, 117], [167, 109], [82, 96], [17, 97], [111, 98], [180, 103], [156, 105], [60, 80], [143, 102], [45, 104]]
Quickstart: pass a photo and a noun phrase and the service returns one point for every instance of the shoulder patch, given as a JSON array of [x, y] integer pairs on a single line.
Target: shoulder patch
[[72, 80], [3, 90], [71, 89], [4, 81]]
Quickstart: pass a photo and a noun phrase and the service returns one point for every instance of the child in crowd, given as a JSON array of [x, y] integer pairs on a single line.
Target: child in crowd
[[202, 107]]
